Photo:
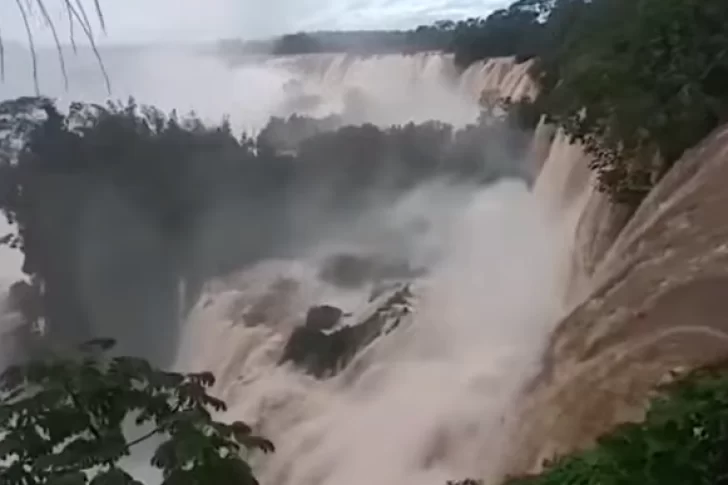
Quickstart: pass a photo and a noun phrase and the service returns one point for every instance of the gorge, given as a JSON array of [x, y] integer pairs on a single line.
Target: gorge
[[474, 329]]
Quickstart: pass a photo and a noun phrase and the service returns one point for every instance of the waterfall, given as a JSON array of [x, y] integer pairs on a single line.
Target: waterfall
[[427, 398], [395, 89], [427, 401], [382, 89]]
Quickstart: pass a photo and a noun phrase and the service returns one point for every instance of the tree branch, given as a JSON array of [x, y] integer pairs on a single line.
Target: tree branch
[[57, 41], [77, 402], [76, 13], [33, 56]]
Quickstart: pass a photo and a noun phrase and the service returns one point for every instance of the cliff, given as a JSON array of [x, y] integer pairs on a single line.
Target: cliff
[[653, 304]]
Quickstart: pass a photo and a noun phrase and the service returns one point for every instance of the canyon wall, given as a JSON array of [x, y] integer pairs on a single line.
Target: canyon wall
[[651, 303]]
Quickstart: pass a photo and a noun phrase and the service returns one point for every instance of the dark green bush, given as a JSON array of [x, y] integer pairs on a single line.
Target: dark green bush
[[637, 81], [682, 441]]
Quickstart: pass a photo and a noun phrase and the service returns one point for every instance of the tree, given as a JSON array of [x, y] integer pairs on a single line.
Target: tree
[[107, 201], [638, 82], [64, 421], [117, 207]]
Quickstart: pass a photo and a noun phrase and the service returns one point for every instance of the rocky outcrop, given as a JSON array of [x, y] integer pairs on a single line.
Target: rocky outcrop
[[323, 317], [323, 353], [658, 307]]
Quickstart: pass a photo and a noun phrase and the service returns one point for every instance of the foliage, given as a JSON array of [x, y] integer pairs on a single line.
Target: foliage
[[116, 204], [683, 440], [638, 82], [65, 420], [513, 31], [103, 199]]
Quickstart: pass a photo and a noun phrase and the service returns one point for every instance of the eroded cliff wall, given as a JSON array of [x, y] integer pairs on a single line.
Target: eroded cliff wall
[[655, 304]]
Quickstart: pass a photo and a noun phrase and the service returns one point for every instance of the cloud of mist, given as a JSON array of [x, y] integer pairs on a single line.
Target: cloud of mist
[[397, 237], [383, 90], [167, 77], [425, 404]]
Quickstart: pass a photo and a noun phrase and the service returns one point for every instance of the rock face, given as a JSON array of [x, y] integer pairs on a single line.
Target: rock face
[[658, 306], [323, 317], [323, 354]]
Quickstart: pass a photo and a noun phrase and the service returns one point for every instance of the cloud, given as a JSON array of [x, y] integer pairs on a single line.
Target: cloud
[[195, 20]]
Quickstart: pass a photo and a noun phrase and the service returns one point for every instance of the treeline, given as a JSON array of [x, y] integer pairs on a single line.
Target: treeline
[[116, 205], [637, 81], [516, 30]]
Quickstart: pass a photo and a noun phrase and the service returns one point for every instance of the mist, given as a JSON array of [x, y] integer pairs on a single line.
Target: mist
[[422, 404], [428, 402]]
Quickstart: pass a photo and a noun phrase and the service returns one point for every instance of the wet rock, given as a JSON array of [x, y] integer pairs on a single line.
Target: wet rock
[[323, 354], [323, 317]]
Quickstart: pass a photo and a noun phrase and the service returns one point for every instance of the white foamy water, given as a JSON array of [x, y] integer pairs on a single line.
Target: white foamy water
[[424, 404], [384, 89]]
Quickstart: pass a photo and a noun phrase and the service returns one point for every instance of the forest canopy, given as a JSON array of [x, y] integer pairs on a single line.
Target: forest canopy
[[637, 81], [116, 205]]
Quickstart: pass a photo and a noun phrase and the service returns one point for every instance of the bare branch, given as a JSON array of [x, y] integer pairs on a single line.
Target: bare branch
[[80, 9], [76, 13], [2, 58], [71, 30], [100, 15], [33, 55], [89, 34], [61, 59]]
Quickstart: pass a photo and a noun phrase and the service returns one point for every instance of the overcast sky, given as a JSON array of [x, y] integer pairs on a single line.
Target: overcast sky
[[192, 20]]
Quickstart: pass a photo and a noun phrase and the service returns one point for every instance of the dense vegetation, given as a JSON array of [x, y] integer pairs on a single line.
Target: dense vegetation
[[67, 420], [516, 30], [683, 440], [637, 81], [116, 206]]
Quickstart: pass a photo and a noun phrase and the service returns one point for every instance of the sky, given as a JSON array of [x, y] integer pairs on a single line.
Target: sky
[[141, 21]]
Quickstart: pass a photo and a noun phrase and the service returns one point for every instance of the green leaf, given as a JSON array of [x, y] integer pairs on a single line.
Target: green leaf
[[72, 420], [114, 476], [76, 478]]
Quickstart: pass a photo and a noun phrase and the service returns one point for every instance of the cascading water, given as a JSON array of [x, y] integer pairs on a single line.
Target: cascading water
[[425, 403], [384, 90], [429, 400]]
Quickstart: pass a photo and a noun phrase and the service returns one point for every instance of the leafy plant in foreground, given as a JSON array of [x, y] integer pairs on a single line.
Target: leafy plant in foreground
[[682, 441], [63, 422]]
